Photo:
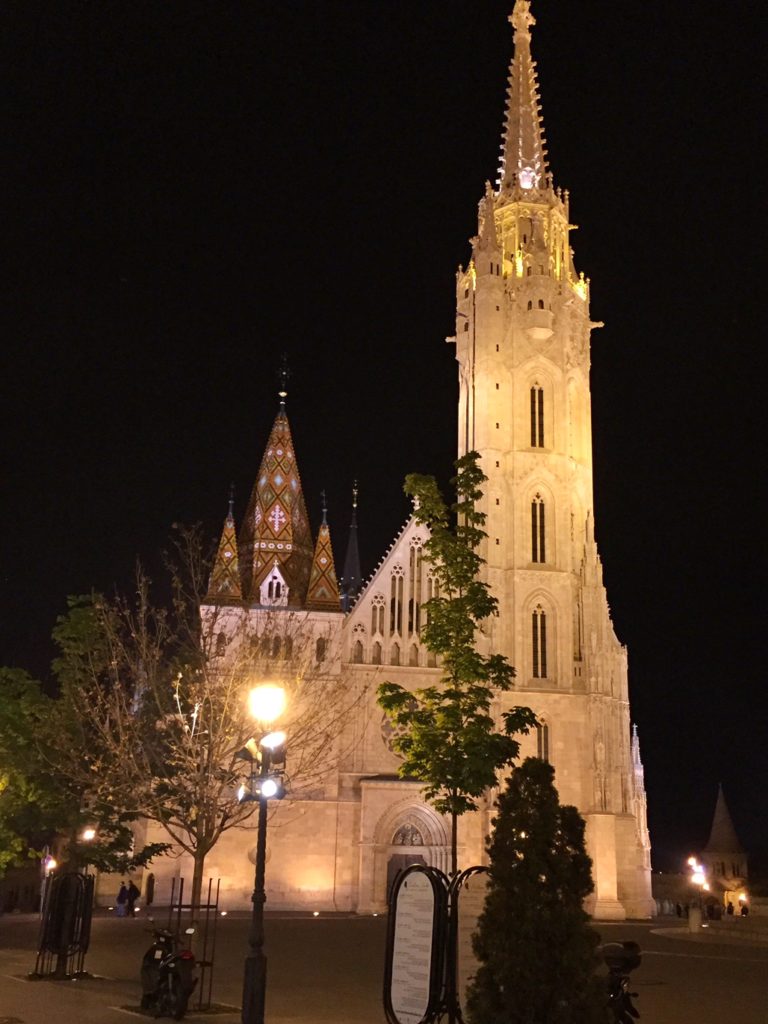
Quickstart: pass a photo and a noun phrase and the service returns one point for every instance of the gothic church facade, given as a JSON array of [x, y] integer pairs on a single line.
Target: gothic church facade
[[522, 344]]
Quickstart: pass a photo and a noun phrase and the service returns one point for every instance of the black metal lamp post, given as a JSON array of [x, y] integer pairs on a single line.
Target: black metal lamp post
[[268, 753]]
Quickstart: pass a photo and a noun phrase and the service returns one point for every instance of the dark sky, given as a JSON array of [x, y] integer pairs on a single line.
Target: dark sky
[[195, 188]]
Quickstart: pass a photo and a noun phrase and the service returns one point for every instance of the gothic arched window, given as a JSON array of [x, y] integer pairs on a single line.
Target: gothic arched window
[[377, 614], [538, 531], [321, 647], [357, 652], [539, 642], [413, 658], [394, 654], [537, 416], [542, 741], [376, 654]]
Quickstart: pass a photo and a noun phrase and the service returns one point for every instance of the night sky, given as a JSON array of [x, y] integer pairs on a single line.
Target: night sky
[[195, 188]]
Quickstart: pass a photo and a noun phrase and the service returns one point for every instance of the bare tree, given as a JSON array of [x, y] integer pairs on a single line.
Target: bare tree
[[155, 702]]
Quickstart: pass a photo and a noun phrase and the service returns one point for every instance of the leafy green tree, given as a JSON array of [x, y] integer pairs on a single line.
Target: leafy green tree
[[534, 944], [39, 806], [28, 807], [450, 740]]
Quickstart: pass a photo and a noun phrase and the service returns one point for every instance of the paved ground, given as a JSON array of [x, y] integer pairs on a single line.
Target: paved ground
[[329, 970]]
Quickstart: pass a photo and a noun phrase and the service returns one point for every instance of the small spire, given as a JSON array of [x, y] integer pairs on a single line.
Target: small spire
[[324, 506], [351, 579], [523, 159], [323, 590], [224, 583]]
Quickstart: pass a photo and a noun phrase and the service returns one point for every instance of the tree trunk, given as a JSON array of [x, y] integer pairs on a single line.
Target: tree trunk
[[197, 881]]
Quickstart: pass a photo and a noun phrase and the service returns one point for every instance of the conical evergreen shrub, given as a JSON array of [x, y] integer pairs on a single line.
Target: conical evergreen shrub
[[534, 943]]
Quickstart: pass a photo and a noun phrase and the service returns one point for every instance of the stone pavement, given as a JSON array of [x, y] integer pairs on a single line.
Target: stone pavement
[[329, 971]]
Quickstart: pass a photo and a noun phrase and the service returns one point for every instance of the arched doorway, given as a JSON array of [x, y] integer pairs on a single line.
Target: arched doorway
[[410, 840]]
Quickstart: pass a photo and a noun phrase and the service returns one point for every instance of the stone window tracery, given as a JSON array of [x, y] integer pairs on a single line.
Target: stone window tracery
[[539, 642], [377, 614], [538, 530], [542, 740], [537, 416], [408, 835]]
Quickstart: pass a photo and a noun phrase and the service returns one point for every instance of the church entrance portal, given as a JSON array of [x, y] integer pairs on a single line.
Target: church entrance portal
[[398, 862]]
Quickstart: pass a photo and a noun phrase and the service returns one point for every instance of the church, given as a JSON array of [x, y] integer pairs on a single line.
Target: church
[[522, 345]]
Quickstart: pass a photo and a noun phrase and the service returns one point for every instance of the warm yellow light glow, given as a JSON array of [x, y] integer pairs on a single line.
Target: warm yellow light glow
[[742, 897], [691, 862], [698, 878], [89, 834], [473, 275], [273, 740], [51, 863], [705, 887], [519, 263], [580, 287], [266, 703], [315, 913]]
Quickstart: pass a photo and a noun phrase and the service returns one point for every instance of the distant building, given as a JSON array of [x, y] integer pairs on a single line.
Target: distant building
[[724, 858], [523, 349]]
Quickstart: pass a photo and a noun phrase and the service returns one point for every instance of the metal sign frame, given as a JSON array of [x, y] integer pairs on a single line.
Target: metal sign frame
[[440, 929]]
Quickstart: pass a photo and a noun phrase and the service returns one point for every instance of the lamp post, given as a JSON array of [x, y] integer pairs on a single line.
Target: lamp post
[[266, 703], [699, 879]]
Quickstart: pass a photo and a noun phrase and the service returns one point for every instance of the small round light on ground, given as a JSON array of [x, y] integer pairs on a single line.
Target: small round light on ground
[[316, 913], [223, 913]]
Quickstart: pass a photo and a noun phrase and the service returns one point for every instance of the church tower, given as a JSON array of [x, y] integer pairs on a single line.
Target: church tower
[[523, 347]]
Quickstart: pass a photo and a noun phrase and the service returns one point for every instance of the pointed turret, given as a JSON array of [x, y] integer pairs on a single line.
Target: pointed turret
[[523, 159], [323, 592], [275, 536], [351, 580], [722, 838], [224, 584]]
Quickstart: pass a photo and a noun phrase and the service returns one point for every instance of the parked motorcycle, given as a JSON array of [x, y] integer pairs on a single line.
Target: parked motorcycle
[[621, 958], [167, 975]]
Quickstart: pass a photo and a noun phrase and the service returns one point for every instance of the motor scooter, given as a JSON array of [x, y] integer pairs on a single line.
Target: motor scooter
[[167, 975], [621, 958]]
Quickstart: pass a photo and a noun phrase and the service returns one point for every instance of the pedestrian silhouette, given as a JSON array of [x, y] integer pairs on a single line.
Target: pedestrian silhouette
[[133, 895], [122, 899]]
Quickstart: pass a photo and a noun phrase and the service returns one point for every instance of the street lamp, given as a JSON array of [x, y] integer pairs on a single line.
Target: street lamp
[[266, 703], [698, 878]]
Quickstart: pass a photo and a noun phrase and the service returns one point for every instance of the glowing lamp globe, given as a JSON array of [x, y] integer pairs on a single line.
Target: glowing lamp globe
[[266, 703]]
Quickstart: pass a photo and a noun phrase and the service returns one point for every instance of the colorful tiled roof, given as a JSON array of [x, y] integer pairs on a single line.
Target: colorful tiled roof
[[323, 592], [224, 583], [276, 525]]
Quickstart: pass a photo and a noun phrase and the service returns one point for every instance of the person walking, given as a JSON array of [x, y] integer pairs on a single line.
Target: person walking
[[132, 896], [122, 899]]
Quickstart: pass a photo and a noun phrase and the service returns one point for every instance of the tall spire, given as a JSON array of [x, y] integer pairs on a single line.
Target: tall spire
[[224, 583], [323, 591], [275, 531], [523, 160], [351, 580]]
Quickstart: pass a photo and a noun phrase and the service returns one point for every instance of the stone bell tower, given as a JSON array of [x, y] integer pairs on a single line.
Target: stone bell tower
[[523, 347]]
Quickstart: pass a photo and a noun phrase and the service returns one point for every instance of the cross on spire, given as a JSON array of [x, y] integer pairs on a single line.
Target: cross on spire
[[283, 376]]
